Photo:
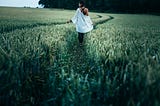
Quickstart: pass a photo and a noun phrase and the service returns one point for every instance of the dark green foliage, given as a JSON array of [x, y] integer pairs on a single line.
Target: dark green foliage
[[107, 5]]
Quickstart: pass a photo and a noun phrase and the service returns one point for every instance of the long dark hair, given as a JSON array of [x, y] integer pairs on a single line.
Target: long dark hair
[[82, 3]]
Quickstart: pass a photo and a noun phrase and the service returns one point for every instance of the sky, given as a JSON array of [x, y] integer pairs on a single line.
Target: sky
[[19, 3]]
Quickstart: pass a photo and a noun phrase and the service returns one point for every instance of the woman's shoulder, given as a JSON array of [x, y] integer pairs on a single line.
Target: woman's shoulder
[[85, 11]]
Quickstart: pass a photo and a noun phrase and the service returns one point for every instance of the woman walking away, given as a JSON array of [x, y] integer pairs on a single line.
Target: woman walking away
[[82, 21]]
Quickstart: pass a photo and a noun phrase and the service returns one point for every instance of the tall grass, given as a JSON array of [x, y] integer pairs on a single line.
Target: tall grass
[[44, 65]]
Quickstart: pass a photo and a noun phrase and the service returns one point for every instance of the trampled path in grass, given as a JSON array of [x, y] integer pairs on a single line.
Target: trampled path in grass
[[78, 57]]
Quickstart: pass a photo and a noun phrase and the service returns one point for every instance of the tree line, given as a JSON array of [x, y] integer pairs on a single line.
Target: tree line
[[107, 5]]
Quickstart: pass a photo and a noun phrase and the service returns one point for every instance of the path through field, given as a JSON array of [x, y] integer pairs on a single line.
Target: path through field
[[78, 57]]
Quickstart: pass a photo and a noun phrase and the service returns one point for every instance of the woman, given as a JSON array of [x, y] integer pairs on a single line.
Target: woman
[[82, 21]]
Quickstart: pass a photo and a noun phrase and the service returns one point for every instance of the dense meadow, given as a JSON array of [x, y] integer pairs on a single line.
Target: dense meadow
[[41, 62]]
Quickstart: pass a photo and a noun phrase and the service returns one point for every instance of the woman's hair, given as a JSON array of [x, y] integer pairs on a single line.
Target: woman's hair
[[82, 3]]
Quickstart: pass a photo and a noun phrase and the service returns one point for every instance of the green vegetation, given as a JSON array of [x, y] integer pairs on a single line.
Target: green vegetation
[[41, 62], [129, 6]]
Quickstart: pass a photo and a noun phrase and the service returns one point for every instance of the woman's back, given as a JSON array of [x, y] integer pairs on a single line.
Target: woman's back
[[82, 21]]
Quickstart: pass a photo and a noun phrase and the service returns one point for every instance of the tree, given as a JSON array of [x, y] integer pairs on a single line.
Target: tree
[[104, 5]]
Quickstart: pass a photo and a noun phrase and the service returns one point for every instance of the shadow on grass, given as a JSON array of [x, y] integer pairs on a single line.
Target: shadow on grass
[[30, 86], [30, 83], [82, 65], [72, 79]]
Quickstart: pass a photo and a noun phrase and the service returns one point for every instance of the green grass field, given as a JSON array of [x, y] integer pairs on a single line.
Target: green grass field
[[41, 62]]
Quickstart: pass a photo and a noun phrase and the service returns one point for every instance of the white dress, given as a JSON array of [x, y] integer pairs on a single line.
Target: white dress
[[83, 22]]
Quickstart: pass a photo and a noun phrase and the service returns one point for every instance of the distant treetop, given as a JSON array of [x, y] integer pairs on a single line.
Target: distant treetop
[[106, 5]]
